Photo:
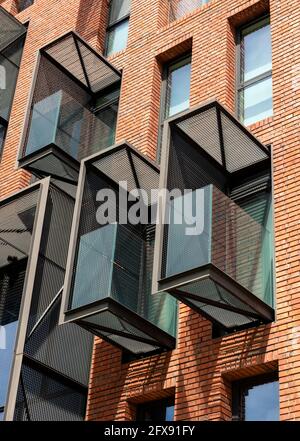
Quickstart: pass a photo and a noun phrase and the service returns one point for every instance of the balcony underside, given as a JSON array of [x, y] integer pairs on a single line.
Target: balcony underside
[[218, 297], [121, 327]]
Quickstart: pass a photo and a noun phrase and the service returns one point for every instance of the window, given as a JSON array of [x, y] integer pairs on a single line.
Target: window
[[1, 413], [11, 287], [256, 399], [160, 410], [24, 4], [118, 24], [175, 91], [255, 72]]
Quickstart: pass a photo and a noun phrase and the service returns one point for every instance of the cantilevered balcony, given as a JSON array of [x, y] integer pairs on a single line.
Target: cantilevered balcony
[[214, 243], [65, 122], [12, 36], [108, 279], [33, 251]]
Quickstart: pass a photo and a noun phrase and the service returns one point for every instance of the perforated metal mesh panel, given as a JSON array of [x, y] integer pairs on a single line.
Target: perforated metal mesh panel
[[78, 58], [47, 397], [221, 136], [10, 29], [179, 8]]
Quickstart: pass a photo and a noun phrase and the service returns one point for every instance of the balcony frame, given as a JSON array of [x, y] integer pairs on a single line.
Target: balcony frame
[[159, 336], [263, 312], [28, 161]]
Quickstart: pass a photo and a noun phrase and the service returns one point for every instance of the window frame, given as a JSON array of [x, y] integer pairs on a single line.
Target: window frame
[[239, 386], [164, 96], [241, 86], [113, 25]]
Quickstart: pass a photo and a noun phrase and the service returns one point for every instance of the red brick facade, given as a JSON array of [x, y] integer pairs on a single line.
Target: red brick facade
[[200, 370]]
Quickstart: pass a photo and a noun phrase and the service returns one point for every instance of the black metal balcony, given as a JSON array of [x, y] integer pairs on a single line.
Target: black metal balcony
[[12, 36], [224, 267], [34, 235], [108, 279], [62, 125]]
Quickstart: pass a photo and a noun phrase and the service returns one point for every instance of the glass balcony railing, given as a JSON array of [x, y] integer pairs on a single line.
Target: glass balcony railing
[[227, 238], [179, 8], [108, 286]]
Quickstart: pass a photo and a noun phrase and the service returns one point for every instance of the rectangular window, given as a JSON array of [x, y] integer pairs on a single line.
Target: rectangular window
[[118, 24], [256, 398], [255, 72], [160, 410], [24, 4], [175, 91], [106, 112], [11, 287]]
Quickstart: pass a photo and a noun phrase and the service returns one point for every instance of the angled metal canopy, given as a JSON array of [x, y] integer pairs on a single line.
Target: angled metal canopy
[[221, 136], [82, 62], [10, 29]]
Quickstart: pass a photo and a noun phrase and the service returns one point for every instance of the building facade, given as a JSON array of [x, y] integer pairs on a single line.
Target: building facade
[[143, 322]]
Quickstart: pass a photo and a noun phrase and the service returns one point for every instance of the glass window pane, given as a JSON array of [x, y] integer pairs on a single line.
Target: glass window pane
[[178, 93], [262, 402], [1, 415], [256, 102], [117, 38], [256, 52], [8, 334], [118, 10], [186, 251], [23, 4]]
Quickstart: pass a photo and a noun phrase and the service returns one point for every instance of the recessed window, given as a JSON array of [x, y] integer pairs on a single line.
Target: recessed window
[[175, 91], [256, 399], [160, 410], [179, 8], [24, 4], [255, 72], [118, 25]]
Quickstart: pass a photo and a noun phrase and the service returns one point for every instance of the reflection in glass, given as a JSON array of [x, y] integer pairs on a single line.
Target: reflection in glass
[[186, 251], [262, 402], [257, 52]]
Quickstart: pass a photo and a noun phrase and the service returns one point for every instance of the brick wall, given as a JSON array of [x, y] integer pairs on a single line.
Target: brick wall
[[199, 370]]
